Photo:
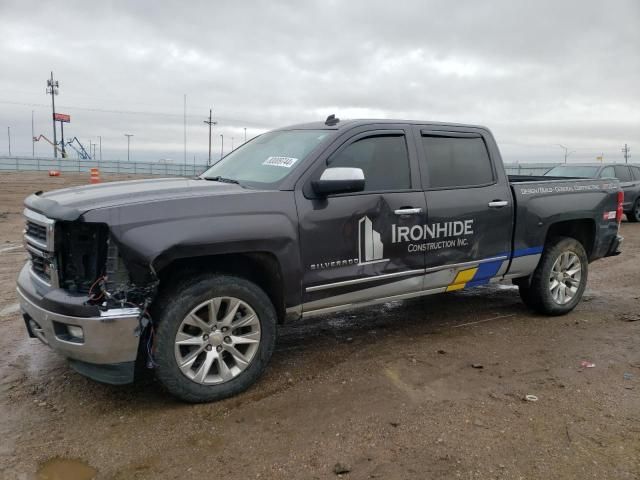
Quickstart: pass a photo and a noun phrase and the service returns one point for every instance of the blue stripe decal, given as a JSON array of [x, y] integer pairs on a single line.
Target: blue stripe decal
[[523, 252], [485, 272]]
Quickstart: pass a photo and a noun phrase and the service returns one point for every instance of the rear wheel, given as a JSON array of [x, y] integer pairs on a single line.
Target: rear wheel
[[560, 279], [634, 214], [215, 337]]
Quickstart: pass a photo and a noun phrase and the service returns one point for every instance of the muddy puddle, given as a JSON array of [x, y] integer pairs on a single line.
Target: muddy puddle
[[65, 469]]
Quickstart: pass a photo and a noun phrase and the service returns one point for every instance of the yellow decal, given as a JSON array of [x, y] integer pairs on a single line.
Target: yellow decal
[[462, 278]]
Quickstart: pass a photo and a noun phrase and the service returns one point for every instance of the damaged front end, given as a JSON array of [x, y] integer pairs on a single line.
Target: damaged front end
[[90, 263], [77, 296]]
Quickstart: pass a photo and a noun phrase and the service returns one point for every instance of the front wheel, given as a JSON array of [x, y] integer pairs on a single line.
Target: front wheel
[[560, 279], [634, 214], [215, 337]]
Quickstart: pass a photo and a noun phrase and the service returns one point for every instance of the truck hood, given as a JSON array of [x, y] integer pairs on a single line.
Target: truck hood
[[70, 203]]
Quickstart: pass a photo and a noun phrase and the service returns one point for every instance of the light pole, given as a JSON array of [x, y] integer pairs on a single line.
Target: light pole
[[566, 151], [100, 140], [232, 144], [221, 145], [128, 135], [245, 134], [9, 137]]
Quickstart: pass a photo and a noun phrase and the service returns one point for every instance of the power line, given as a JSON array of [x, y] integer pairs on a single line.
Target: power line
[[229, 120]]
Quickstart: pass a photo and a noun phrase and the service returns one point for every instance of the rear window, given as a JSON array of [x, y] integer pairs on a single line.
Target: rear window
[[622, 173], [607, 172], [577, 171], [456, 162]]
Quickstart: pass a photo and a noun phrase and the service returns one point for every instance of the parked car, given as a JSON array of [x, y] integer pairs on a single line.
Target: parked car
[[192, 276], [629, 176]]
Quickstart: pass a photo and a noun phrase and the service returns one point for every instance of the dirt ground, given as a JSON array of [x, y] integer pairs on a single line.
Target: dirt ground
[[386, 392]]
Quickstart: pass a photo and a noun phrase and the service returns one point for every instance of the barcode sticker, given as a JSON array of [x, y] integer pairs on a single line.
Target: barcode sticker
[[286, 162]]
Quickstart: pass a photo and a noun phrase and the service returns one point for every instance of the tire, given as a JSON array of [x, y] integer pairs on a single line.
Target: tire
[[634, 214], [540, 295], [228, 353]]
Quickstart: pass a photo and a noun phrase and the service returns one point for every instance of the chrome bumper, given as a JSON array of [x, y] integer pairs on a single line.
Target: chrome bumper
[[107, 339]]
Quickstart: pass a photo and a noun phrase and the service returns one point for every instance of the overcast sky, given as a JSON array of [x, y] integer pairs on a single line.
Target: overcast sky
[[537, 73]]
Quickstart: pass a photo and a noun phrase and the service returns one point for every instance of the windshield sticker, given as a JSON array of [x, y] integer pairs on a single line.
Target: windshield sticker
[[286, 162]]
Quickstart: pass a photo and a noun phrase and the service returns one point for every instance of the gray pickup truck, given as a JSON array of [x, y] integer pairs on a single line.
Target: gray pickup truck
[[629, 176], [192, 276]]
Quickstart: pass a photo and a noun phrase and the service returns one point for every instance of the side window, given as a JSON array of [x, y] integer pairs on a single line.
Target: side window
[[456, 162], [622, 173], [636, 172], [383, 159], [607, 172]]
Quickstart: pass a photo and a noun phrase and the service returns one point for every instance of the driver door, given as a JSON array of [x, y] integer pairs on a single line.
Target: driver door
[[349, 245]]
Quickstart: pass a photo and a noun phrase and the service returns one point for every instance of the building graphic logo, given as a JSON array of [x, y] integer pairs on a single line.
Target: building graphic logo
[[370, 247]]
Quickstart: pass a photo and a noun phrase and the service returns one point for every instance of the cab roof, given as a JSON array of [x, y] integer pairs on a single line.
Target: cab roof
[[351, 123]]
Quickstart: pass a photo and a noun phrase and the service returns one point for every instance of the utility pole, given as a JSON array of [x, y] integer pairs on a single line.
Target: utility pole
[[566, 152], [128, 135], [185, 128], [100, 140], [245, 134], [210, 122], [221, 145], [9, 137], [52, 88], [625, 150], [33, 137]]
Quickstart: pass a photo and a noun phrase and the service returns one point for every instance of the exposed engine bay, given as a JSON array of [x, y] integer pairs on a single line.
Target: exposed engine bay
[[90, 262]]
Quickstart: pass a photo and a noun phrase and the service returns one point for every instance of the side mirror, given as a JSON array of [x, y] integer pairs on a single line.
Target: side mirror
[[339, 180]]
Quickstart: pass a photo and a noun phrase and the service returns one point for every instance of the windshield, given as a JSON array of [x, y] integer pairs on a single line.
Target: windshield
[[579, 171], [267, 159]]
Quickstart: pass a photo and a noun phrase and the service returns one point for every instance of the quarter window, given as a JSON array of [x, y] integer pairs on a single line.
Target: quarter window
[[456, 162], [383, 159]]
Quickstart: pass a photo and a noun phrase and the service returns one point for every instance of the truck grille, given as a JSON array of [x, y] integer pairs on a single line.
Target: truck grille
[[36, 232], [39, 266], [39, 242]]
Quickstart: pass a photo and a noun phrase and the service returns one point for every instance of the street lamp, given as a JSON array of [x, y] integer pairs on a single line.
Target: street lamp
[[566, 151], [128, 135], [221, 145]]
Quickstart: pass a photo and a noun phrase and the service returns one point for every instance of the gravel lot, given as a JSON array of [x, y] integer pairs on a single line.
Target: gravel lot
[[427, 388]]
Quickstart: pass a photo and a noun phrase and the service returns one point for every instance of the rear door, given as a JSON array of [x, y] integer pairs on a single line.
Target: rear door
[[467, 238], [347, 240]]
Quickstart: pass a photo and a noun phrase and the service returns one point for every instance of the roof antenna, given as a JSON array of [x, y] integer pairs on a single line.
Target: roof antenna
[[331, 120]]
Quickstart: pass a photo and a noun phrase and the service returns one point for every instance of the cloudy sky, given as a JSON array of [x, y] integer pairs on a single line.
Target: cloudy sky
[[537, 73]]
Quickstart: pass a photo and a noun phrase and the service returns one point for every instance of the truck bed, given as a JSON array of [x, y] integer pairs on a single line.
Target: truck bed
[[540, 200]]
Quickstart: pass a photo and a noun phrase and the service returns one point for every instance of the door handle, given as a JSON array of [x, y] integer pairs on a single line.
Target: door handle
[[498, 204], [408, 211]]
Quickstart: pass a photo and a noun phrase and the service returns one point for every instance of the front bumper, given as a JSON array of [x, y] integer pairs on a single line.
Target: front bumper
[[108, 347]]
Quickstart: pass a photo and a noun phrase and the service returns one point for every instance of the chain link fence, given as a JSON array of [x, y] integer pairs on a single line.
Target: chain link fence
[[12, 164]]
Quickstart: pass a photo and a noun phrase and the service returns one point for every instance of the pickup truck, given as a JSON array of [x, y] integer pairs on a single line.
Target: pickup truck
[[191, 277], [629, 176]]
